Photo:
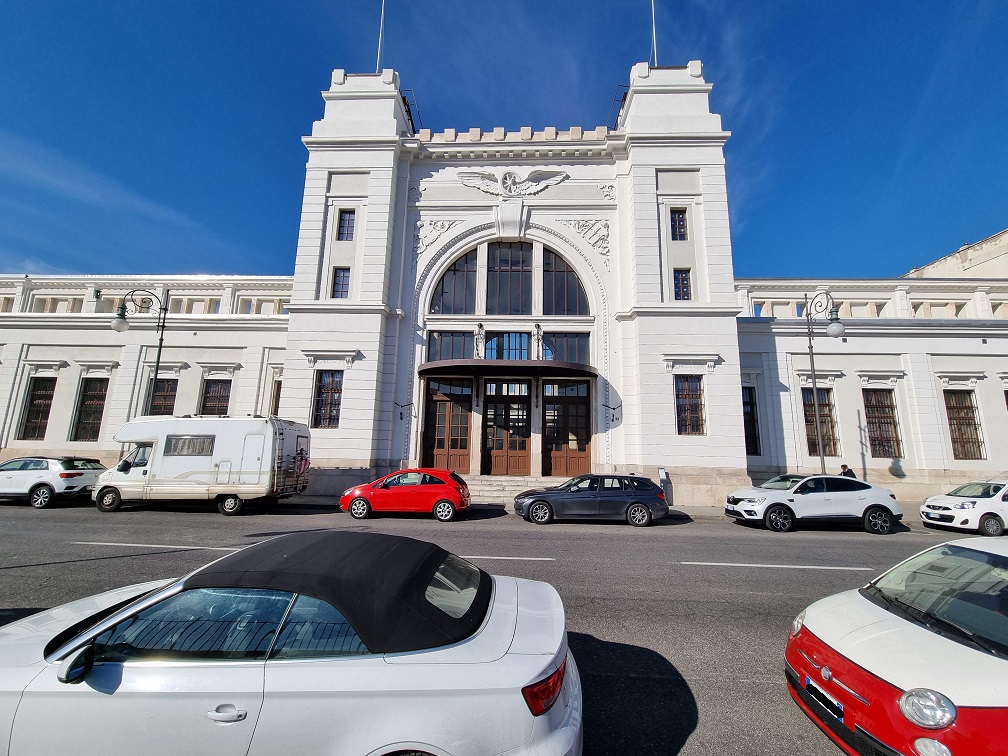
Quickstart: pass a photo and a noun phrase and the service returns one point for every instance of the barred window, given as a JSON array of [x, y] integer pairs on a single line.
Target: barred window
[[964, 425], [189, 446], [39, 402], [507, 346], [826, 422], [562, 290], [456, 291], [346, 225], [681, 284], [880, 416], [163, 401], [566, 347], [327, 400], [216, 396], [451, 345], [341, 283], [677, 227], [509, 278], [689, 405], [275, 402], [750, 421], [90, 408]]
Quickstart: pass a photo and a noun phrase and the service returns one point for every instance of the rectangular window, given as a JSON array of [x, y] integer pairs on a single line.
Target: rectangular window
[[451, 345], [90, 407], [328, 398], [507, 346], [341, 283], [275, 401], [216, 396], [826, 422], [880, 416], [346, 225], [750, 421], [509, 278], [964, 425], [681, 284], [163, 401], [189, 446], [566, 347], [677, 226], [689, 405], [36, 417]]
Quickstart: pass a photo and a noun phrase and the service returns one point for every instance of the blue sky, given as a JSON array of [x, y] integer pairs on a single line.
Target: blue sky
[[867, 138]]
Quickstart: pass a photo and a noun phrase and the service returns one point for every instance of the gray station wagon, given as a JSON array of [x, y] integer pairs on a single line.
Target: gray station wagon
[[600, 497]]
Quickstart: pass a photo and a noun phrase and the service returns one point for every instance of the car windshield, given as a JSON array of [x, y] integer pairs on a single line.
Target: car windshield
[[956, 592], [782, 482], [977, 490]]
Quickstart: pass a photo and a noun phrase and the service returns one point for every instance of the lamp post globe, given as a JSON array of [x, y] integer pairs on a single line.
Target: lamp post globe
[[835, 329], [119, 322]]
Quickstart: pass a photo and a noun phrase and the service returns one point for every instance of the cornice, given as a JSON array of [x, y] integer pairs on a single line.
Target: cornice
[[349, 308], [100, 321], [879, 326], [676, 311]]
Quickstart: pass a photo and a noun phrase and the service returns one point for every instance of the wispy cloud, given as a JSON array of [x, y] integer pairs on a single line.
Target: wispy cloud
[[57, 215]]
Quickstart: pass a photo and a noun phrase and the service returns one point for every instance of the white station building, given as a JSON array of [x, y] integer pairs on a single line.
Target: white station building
[[518, 305]]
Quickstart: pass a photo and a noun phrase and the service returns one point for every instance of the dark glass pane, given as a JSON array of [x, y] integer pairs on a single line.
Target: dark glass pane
[[90, 408], [40, 397]]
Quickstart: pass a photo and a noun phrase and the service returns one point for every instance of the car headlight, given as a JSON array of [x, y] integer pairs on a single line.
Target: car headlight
[[522, 502], [797, 623], [760, 500], [927, 708], [964, 505]]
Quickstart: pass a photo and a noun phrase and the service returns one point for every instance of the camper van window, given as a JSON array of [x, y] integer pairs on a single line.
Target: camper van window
[[139, 456], [189, 446]]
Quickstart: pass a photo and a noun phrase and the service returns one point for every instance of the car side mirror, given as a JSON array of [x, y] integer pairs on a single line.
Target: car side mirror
[[75, 667], [123, 466]]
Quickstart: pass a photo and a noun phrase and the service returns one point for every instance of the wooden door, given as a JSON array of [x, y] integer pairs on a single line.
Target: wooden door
[[447, 425], [566, 428], [506, 429]]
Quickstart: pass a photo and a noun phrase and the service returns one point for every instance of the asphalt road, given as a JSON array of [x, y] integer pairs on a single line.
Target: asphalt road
[[678, 629]]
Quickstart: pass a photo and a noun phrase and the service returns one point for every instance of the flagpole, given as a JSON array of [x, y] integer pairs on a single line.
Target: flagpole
[[381, 29], [654, 36]]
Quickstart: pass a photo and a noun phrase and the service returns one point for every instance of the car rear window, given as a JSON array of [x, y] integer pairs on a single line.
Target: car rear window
[[458, 479], [453, 587], [82, 464]]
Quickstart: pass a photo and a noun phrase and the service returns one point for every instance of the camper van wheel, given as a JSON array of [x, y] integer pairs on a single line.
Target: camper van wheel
[[108, 500], [229, 505]]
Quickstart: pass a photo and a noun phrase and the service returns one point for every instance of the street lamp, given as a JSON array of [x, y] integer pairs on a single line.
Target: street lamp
[[142, 300], [821, 303]]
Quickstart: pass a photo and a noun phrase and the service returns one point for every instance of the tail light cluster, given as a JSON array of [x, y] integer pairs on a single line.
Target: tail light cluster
[[540, 696], [661, 495], [70, 474]]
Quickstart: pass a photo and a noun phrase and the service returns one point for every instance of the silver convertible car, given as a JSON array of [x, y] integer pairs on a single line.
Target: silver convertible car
[[321, 642]]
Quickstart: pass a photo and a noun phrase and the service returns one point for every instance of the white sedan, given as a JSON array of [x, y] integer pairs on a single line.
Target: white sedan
[[320, 642], [782, 501], [980, 506]]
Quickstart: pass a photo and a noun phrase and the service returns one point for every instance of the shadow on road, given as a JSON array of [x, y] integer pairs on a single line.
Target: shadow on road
[[635, 701]]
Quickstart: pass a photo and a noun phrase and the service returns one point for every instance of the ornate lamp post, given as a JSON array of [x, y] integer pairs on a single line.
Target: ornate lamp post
[[143, 300], [821, 303]]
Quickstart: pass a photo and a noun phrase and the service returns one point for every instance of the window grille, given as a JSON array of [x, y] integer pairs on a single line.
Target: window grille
[[562, 290], [328, 398], [880, 417], [750, 421], [451, 345], [677, 225], [509, 278], [341, 283], [507, 346], [189, 446], [163, 400], [826, 422], [689, 405], [90, 407], [567, 347], [346, 225], [36, 418], [964, 426], [216, 396], [456, 291], [681, 284]]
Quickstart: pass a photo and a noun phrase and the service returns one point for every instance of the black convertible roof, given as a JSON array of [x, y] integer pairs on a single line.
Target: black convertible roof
[[376, 581]]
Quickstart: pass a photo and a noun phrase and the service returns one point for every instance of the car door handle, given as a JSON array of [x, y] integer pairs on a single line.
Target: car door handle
[[227, 713]]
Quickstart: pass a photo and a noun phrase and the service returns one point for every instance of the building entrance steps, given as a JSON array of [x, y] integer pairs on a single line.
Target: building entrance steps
[[501, 489]]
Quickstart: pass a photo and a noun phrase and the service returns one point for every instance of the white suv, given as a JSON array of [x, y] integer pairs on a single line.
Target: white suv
[[42, 479], [783, 500]]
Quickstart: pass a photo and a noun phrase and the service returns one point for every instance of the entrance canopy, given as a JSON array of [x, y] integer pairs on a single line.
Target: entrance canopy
[[515, 368]]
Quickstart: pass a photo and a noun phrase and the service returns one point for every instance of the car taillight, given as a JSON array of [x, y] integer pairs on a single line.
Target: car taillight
[[661, 495], [70, 475], [540, 696]]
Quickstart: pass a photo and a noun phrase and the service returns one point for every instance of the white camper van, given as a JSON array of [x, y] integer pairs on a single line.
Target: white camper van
[[227, 460]]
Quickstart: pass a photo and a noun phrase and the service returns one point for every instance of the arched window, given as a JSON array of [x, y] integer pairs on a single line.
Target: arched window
[[456, 291], [562, 290], [509, 278]]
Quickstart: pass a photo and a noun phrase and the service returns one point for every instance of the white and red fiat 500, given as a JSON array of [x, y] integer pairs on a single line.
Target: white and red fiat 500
[[916, 662]]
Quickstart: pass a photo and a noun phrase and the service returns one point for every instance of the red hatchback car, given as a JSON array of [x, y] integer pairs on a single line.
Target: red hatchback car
[[441, 492]]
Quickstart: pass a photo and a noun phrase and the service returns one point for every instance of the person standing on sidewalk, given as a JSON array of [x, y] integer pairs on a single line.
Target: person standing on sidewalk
[[847, 472]]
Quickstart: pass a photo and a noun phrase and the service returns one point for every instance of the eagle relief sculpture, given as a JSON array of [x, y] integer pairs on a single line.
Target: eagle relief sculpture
[[508, 185]]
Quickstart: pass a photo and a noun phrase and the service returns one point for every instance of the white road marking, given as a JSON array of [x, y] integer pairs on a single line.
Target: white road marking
[[781, 566], [156, 546], [514, 559]]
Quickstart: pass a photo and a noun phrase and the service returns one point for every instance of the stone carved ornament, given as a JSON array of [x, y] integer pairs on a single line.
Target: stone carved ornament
[[509, 185], [428, 232], [595, 232], [608, 191]]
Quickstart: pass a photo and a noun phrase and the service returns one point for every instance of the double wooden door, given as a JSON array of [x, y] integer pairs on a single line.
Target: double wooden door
[[447, 426], [566, 428], [507, 429]]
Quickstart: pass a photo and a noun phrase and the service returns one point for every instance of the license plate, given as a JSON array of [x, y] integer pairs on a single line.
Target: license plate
[[829, 703], [931, 515]]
